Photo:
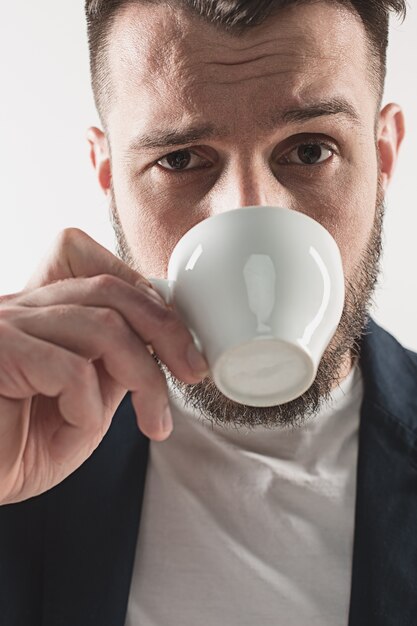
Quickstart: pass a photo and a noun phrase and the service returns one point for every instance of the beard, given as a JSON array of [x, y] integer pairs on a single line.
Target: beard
[[211, 404]]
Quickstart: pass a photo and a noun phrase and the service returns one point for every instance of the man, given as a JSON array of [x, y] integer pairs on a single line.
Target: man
[[207, 106]]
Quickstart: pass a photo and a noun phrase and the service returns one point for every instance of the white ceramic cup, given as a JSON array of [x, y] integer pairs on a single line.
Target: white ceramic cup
[[262, 291]]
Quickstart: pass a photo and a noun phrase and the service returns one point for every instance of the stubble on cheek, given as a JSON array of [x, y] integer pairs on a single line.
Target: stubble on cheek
[[147, 251], [122, 249]]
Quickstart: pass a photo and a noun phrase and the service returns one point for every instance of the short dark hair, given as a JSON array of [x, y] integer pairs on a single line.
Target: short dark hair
[[234, 16]]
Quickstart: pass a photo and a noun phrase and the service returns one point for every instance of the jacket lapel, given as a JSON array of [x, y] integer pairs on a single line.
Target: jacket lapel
[[384, 573], [92, 528]]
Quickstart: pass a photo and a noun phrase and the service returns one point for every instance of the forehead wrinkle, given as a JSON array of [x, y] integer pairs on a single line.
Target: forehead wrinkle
[[232, 49], [262, 57], [287, 55], [171, 48], [198, 68], [180, 58], [211, 73]]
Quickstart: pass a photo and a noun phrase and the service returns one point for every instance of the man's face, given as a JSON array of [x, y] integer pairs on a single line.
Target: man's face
[[282, 115], [173, 72]]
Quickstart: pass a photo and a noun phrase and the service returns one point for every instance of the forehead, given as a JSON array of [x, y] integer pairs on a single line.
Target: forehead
[[167, 63]]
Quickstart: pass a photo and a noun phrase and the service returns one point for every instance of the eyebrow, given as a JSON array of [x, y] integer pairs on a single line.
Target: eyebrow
[[177, 137], [336, 106]]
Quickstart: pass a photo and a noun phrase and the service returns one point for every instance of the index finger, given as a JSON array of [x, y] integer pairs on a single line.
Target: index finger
[[75, 254]]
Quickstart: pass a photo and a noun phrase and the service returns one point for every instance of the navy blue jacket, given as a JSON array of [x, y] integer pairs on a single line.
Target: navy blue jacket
[[66, 556]]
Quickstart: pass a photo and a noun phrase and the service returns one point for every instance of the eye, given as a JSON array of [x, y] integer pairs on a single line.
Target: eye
[[309, 154], [181, 160]]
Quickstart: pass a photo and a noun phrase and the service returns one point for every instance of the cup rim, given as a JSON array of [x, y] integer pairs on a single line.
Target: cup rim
[[237, 211]]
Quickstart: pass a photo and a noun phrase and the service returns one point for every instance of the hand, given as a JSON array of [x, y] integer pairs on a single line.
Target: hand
[[72, 343]]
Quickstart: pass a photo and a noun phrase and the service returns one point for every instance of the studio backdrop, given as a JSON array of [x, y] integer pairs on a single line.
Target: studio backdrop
[[47, 182]]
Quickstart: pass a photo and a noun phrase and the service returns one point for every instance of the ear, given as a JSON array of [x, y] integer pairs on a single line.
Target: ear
[[391, 131], [100, 157]]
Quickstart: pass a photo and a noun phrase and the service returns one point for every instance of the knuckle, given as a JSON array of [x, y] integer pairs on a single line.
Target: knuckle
[[68, 237], [105, 282], [111, 319]]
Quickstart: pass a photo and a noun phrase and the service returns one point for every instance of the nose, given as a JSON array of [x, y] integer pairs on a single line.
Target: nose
[[252, 183]]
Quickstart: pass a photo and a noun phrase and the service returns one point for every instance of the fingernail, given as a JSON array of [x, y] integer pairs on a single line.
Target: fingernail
[[196, 361], [167, 423]]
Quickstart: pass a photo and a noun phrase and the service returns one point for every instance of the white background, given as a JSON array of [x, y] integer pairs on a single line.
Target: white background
[[47, 182]]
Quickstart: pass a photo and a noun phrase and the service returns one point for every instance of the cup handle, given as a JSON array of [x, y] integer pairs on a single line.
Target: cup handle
[[164, 288]]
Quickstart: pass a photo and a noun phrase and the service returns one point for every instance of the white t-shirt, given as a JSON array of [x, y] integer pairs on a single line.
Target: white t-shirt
[[249, 528]]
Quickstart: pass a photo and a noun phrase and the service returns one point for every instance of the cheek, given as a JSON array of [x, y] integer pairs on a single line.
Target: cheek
[[353, 234], [347, 211], [150, 229]]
